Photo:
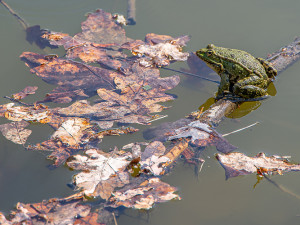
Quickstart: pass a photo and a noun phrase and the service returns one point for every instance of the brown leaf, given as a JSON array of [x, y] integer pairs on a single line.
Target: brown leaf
[[15, 131], [75, 80], [159, 50], [237, 163], [91, 219], [38, 113], [103, 172], [144, 195], [53, 211], [25, 92]]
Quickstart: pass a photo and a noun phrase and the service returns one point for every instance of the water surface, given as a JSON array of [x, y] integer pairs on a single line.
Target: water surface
[[258, 26]]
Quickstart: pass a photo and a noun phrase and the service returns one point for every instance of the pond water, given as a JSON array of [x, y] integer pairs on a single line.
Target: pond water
[[257, 26]]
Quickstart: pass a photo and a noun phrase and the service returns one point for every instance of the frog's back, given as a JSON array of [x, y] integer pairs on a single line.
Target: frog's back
[[242, 58]]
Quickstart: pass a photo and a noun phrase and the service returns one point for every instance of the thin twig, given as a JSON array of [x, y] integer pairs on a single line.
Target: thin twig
[[192, 74], [17, 101], [240, 129], [114, 218], [161, 117], [19, 18]]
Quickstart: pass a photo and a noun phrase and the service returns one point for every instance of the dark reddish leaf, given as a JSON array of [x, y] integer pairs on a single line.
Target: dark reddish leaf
[[74, 80]]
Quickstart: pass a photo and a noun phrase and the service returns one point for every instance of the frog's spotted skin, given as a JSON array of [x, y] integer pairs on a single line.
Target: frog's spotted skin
[[240, 72], [270, 70]]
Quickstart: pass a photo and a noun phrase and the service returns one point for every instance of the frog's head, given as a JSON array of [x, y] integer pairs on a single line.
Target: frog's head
[[209, 56]]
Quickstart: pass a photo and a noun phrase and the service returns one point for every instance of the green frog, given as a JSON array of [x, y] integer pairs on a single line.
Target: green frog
[[241, 74]]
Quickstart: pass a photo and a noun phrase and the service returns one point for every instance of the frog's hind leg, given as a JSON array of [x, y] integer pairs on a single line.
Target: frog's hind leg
[[251, 87]]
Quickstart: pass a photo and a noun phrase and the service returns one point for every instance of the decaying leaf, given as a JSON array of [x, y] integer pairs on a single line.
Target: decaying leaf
[[38, 113], [53, 211], [73, 136], [25, 92], [91, 219], [15, 131], [202, 134], [71, 131], [75, 80], [103, 172], [158, 50], [153, 158], [144, 195], [237, 163]]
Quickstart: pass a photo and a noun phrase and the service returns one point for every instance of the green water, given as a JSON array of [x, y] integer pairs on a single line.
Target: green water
[[259, 27]]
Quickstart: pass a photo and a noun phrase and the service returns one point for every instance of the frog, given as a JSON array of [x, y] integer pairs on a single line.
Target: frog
[[242, 75]]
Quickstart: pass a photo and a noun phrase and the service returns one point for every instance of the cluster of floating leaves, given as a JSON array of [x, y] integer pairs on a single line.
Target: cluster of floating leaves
[[130, 90]]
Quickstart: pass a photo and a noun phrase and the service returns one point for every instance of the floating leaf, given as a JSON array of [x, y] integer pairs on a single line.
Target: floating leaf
[[53, 211], [38, 113], [158, 50], [71, 131], [144, 195], [104, 172], [236, 164], [15, 132], [75, 80]]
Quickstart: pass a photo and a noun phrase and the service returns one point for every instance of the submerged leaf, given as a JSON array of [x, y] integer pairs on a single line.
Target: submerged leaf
[[25, 92], [236, 164]]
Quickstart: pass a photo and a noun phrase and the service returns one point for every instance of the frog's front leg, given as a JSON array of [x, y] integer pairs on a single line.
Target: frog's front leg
[[224, 85], [251, 87]]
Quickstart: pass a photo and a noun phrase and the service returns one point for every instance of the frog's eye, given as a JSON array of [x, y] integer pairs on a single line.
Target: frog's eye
[[210, 46], [209, 52]]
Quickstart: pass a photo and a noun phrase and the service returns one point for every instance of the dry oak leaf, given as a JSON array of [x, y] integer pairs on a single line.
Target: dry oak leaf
[[159, 52], [53, 211], [75, 80], [144, 195], [99, 40], [71, 131], [39, 113], [15, 131], [236, 164], [103, 172], [153, 158], [202, 134]]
